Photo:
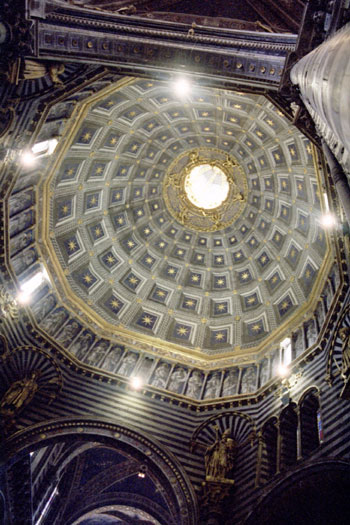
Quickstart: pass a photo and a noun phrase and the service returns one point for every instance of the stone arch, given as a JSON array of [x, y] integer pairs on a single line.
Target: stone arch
[[144, 448]]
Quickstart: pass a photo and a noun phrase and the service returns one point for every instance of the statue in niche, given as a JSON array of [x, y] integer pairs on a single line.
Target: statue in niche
[[160, 375], [20, 222], [53, 321], [311, 333], [19, 395], [264, 372], [194, 384], [68, 333], [298, 343], [82, 345], [24, 260], [212, 389], [97, 353], [230, 383], [8, 305], [111, 361], [345, 337], [128, 364], [19, 202], [21, 242], [248, 380], [177, 379], [220, 457], [44, 307], [320, 315]]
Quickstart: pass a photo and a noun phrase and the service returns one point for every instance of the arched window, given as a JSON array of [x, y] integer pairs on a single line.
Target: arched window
[[269, 449], [288, 436], [309, 432]]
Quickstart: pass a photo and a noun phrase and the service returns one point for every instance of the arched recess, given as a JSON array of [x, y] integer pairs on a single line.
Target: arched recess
[[143, 450], [309, 406], [269, 436], [318, 493], [288, 429]]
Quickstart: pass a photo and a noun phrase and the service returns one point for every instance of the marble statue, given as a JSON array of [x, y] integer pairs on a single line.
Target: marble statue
[[177, 379], [160, 375], [24, 260], [264, 372], [248, 380], [230, 383], [212, 389], [68, 333], [82, 345], [112, 359], [44, 307], [97, 353], [128, 364], [53, 321], [194, 384]]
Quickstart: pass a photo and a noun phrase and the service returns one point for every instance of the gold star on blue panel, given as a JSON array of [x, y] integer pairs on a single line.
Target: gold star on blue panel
[[250, 143], [278, 239], [260, 133], [202, 241], [219, 282], [109, 260], [255, 184], [129, 243], [274, 281], [170, 271], [151, 153], [293, 256], [141, 173], [153, 190], [301, 191], [251, 167], [147, 320], [232, 240], [131, 114], [64, 208], [263, 259], [71, 245], [217, 243], [161, 244], [244, 276], [131, 281], [242, 153], [218, 337], [179, 252], [85, 278], [171, 232], [86, 135], [145, 85], [134, 147], [316, 194], [205, 128], [112, 140], [147, 260], [122, 171], [164, 159], [186, 237], [146, 231], [250, 301], [69, 170], [256, 201], [238, 256], [183, 128], [205, 113], [255, 328], [251, 216], [303, 223], [285, 305], [244, 229], [96, 232], [114, 304], [262, 161], [110, 102], [198, 258], [284, 185], [162, 99], [308, 278], [220, 308], [253, 243], [269, 184], [278, 156], [219, 260], [263, 225], [269, 121], [138, 213], [97, 170], [119, 220], [194, 279], [308, 150], [163, 137], [175, 114], [150, 125], [92, 201], [189, 303], [182, 331], [137, 192], [293, 152], [269, 205], [159, 294], [155, 206], [117, 196], [192, 141], [320, 240]]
